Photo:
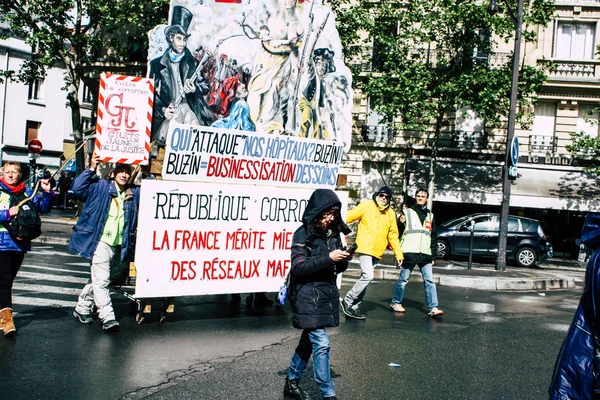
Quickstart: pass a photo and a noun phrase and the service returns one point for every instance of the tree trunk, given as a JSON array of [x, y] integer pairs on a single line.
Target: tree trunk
[[73, 96], [434, 150]]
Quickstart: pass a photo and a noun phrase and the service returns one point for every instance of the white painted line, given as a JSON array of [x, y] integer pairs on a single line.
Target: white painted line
[[30, 301], [74, 271], [47, 277], [46, 289]]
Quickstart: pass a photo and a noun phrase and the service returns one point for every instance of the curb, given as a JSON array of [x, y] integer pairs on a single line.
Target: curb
[[476, 282]]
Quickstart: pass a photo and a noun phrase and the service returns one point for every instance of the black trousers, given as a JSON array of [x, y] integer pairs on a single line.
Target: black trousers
[[10, 263]]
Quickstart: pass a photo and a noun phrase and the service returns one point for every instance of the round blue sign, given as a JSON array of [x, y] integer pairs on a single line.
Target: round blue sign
[[514, 151]]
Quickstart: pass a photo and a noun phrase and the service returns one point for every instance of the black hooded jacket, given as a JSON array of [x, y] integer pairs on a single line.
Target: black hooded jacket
[[313, 292]]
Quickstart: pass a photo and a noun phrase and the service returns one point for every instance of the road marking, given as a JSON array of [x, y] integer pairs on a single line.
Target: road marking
[[74, 271], [40, 302], [45, 289], [47, 277]]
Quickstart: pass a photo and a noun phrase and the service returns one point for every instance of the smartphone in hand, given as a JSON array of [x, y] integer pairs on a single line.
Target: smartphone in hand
[[352, 248]]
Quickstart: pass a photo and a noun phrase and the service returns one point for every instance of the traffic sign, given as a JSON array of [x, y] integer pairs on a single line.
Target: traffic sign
[[514, 151], [512, 172], [34, 146]]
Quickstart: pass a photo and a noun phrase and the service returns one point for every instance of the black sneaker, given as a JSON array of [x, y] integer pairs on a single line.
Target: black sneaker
[[346, 309], [356, 314], [111, 326], [83, 318], [292, 390]]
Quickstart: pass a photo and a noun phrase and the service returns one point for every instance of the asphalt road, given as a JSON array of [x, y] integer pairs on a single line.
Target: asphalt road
[[489, 345]]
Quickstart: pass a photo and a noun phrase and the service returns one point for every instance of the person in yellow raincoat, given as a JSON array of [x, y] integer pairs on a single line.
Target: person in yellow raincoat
[[377, 227]]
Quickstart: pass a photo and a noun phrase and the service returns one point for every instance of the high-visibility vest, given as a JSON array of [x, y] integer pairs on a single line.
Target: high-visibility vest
[[417, 235]]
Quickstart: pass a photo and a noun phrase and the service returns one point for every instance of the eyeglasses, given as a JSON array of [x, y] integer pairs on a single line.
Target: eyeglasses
[[328, 214], [385, 196]]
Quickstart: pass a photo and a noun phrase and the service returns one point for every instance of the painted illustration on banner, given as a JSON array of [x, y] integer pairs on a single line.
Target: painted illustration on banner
[[209, 154], [265, 66], [124, 119], [213, 238]]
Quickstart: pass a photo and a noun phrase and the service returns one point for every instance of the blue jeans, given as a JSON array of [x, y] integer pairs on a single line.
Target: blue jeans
[[313, 341], [430, 290]]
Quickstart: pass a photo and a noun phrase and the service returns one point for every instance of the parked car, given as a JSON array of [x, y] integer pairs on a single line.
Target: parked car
[[526, 242]]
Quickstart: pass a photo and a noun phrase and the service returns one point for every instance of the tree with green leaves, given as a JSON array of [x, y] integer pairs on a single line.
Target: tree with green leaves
[[77, 35], [430, 58]]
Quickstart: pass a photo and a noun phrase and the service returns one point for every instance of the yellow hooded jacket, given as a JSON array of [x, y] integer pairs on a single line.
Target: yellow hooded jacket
[[375, 229]]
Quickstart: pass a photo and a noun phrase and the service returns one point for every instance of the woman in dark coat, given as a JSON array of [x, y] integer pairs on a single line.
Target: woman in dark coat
[[317, 258], [577, 370]]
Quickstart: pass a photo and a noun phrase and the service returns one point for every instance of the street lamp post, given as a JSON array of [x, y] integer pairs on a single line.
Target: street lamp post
[[510, 131]]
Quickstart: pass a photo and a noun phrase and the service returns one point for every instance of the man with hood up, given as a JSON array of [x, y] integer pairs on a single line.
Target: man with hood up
[[317, 258], [377, 227]]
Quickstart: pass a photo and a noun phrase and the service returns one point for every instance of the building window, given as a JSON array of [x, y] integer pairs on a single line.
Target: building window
[[36, 90], [575, 41], [541, 139], [587, 120], [88, 96], [32, 131]]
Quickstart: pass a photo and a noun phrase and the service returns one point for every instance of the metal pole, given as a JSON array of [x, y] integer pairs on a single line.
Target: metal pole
[[510, 133], [472, 229]]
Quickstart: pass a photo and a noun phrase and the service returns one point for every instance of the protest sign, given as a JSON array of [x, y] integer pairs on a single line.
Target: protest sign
[[196, 239], [204, 154], [123, 129]]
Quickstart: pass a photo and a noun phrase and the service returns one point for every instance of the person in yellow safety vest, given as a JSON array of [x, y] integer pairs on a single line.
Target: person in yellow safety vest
[[377, 227], [418, 243]]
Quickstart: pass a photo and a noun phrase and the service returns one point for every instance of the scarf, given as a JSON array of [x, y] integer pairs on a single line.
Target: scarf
[[16, 189], [175, 57], [381, 207]]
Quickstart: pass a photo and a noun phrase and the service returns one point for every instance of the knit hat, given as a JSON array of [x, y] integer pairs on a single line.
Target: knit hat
[[385, 190]]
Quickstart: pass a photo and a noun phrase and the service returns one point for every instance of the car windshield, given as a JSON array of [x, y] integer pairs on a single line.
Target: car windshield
[[455, 221]]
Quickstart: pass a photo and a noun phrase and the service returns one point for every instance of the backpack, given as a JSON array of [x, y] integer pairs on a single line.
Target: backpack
[[27, 224]]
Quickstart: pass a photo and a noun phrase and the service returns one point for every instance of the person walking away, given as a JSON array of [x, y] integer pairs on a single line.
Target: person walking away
[[62, 186], [376, 228], [317, 257], [105, 231], [577, 370], [418, 243], [12, 250]]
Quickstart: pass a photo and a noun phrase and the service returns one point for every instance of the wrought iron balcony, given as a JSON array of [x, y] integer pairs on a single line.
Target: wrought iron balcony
[[542, 144], [378, 133], [468, 140]]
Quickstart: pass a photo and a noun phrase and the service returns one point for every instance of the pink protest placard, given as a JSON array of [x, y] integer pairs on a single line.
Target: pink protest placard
[[123, 129]]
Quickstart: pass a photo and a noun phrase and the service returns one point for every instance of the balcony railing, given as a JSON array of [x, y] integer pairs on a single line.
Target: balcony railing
[[574, 69], [378, 133], [542, 144], [468, 140]]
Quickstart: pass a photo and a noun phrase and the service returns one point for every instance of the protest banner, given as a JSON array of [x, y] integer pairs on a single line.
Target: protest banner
[[205, 154], [265, 66], [125, 106], [206, 238]]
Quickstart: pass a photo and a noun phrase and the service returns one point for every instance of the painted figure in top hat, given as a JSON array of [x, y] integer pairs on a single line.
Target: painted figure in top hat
[[178, 80]]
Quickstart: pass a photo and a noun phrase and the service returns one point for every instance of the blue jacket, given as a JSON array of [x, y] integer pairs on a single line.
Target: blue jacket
[[98, 195], [573, 378], [42, 203]]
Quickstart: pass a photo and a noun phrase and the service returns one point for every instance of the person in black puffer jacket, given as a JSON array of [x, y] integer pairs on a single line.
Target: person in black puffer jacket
[[317, 258]]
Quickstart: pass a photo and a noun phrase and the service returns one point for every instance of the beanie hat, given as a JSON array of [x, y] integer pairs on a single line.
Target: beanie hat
[[386, 190]]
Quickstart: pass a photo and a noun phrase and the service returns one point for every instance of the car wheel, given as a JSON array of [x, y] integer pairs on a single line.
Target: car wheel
[[443, 250], [526, 257]]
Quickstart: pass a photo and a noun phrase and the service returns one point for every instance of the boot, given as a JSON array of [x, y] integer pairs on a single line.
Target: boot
[[7, 319], [292, 390], [261, 299]]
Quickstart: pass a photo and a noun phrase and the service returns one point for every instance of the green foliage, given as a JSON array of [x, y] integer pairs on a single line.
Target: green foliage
[[75, 33], [430, 56]]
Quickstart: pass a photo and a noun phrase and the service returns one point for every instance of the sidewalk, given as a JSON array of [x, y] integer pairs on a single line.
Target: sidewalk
[[556, 273]]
